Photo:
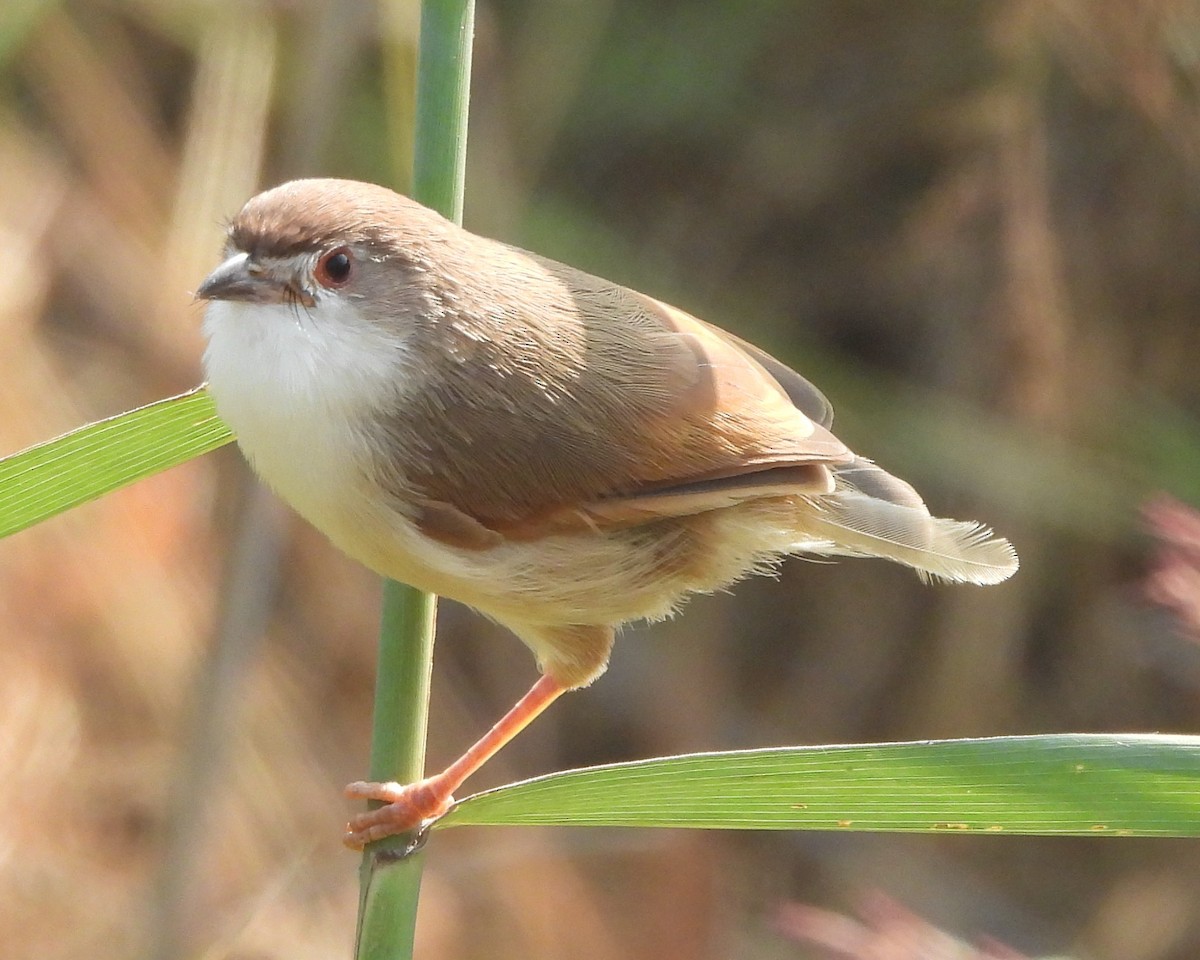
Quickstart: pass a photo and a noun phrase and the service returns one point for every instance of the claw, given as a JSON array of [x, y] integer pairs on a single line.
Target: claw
[[405, 808]]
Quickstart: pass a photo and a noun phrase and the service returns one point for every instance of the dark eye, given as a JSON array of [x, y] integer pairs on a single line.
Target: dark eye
[[335, 267]]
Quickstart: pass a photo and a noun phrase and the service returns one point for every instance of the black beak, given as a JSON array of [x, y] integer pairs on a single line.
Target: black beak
[[240, 279]]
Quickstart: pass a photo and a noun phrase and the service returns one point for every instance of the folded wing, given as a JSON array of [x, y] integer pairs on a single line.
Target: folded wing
[[657, 416]]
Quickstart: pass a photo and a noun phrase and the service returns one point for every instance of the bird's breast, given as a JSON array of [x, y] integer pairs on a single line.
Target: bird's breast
[[296, 386]]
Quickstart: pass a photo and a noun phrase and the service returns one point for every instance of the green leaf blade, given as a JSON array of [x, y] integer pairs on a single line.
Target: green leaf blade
[[46, 479], [1068, 784]]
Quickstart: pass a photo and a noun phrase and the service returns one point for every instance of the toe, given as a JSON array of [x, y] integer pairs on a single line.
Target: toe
[[405, 808], [368, 827], [388, 792]]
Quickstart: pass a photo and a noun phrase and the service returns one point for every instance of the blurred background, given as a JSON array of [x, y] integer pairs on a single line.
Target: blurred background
[[974, 225]]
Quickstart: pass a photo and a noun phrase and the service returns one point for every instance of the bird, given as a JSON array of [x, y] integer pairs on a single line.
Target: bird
[[559, 452]]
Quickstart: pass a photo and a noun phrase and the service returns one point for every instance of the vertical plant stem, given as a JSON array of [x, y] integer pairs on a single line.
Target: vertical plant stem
[[391, 881], [443, 90]]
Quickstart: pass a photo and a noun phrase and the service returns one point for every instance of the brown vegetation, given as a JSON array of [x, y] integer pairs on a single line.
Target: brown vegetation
[[975, 225]]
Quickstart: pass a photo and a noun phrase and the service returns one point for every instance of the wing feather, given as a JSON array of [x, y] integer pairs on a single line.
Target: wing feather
[[612, 398], [619, 410]]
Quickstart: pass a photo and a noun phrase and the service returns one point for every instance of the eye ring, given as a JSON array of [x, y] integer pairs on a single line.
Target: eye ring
[[334, 268]]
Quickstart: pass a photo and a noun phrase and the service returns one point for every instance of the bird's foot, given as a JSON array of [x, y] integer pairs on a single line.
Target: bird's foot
[[406, 807]]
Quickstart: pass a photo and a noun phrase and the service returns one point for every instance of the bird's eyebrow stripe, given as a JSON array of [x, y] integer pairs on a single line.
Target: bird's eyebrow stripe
[[257, 245]]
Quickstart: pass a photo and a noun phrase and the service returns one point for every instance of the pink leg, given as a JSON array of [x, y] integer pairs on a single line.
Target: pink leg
[[407, 806]]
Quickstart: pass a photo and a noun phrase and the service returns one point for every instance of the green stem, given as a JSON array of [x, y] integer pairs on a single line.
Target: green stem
[[443, 90], [391, 880]]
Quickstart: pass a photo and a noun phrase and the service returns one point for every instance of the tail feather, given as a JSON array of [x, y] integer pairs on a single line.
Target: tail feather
[[891, 521]]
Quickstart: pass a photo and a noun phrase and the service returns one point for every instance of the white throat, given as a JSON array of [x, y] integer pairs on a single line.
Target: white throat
[[292, 383]]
